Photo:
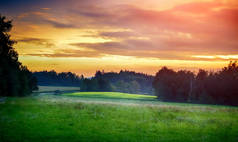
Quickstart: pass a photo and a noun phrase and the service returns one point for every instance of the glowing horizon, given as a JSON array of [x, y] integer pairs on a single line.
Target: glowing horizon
[[85, 36]]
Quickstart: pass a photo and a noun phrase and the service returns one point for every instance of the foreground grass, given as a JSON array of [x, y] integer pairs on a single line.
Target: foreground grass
[[66, 118]]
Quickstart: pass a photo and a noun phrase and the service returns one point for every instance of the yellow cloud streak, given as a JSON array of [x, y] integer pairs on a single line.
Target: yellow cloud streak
[[226, 57], [60, 38]]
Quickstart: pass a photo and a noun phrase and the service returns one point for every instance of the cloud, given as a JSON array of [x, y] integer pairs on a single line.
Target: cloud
[[198, 7], [37, 41], [45, 8], [120, 34], [58, 24], [44, 17], [190, 29]]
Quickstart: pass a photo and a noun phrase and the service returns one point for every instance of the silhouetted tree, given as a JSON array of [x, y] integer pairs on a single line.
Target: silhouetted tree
[[199, 94], [184, 80], [165, 84], [103, 84], [222, 86], [210, 88], [15, 79], [89, 85]]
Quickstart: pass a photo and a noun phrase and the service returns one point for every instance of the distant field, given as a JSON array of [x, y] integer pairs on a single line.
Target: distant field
[[110, 95], [113, 117], [54, 88]]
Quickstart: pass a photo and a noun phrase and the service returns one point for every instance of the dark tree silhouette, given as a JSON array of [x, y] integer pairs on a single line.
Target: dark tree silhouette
[[223, 85], [15, 79], [173, 86], [124, 81], [103, 85], [210, 88], [51, 78]]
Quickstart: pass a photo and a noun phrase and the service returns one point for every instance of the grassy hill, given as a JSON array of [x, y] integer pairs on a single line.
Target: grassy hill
[[113, 117]]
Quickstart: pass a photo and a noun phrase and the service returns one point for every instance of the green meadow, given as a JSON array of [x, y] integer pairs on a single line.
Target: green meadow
[[113, 117], [111, 95]]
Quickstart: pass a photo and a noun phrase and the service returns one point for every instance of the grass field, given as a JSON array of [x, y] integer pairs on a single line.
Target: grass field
[[111, 95], [113, 117]]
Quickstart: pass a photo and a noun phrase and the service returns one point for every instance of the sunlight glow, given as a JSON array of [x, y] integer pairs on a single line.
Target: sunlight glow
[[137, 35]]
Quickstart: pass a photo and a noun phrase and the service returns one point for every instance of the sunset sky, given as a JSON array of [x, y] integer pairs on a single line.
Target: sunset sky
[[83, 36]]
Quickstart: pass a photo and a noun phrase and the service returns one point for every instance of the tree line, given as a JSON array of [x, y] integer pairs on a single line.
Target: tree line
[[52, 78], [124, 81], [219, 87]]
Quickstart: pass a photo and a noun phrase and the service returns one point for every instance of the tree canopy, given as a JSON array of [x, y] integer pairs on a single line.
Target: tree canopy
[[211, 88]]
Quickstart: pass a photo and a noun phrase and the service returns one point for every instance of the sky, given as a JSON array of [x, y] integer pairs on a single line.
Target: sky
[[83, 36]]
